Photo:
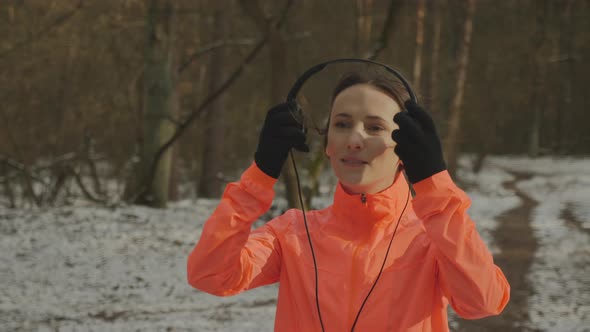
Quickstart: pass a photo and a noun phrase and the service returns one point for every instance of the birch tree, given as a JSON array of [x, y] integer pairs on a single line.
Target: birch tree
[[159, 105]]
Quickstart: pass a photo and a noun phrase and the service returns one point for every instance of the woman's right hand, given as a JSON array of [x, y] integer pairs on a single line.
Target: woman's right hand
[[280, 132]]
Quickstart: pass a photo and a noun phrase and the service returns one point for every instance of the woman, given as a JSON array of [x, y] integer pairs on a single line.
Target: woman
[[436, 257]]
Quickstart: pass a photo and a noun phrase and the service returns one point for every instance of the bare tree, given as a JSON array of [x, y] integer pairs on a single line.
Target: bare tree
[[566, 49], [436, 8], [56, 24], [145, 183], [388, 28], [364, 24], [539, 65], [160, 105], [420, 12], [452, 140], [279, 82], [210, 183]]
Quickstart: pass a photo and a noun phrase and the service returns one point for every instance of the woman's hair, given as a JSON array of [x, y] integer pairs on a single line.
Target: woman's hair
[[385, 82]]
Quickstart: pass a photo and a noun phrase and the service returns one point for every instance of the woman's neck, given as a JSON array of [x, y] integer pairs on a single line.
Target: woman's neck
[[372, 188]]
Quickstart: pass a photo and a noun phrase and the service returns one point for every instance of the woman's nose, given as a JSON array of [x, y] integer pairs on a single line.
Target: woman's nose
[[355, 141]]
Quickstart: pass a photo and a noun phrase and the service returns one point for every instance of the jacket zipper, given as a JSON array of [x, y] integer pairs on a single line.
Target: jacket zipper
[[364, 199]]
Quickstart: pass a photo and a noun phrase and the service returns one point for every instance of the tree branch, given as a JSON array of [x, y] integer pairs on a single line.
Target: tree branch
[[85, 191], [382, 42], [148, 178], [212, 47], [58, 22]]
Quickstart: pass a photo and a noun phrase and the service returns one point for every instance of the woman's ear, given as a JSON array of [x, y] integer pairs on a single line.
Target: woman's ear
[[400, 166]]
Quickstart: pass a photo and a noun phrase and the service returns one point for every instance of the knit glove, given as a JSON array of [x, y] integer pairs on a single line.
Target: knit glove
[[280, 132], [418, 145]]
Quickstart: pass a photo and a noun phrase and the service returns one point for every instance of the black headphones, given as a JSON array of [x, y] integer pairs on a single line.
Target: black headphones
[[292, 96], [292, 99]]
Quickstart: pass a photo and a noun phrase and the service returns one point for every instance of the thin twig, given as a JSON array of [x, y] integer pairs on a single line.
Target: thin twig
[[61, 20], [211, 47], [85, 191]]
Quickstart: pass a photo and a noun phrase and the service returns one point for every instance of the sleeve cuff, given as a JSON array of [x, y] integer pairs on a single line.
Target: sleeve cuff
[[254, 177], [439, 181]]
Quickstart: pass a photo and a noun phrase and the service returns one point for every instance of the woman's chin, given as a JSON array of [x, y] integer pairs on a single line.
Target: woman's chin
[[354, 185]]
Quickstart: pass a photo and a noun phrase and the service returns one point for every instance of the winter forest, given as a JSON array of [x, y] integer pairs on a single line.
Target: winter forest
[[122, 121]]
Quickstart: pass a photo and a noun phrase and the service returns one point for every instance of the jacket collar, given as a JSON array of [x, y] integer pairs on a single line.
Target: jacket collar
[[369, 210]]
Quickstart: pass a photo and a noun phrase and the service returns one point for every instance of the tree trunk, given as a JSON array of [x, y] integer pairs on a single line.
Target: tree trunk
[[159, 102], [436, 9], [211, 183], [566, 49], [389, 26], [279, 84], [452, 140], [173, 193], [539, 64], [364, 22], [420, 11]]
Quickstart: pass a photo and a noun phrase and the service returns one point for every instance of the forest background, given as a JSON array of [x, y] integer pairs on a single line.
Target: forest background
[[162, 100], [112, 104]]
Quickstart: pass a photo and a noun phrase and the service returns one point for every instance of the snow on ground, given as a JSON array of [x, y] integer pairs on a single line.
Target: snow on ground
[[561, 270], [123, 269], [489, 198], [95, 269]]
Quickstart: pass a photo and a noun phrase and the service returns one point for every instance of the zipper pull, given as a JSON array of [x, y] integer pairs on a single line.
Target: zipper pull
[[364, 198]]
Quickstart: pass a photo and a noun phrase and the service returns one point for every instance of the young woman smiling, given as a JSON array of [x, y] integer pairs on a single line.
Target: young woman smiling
[[386, 261]]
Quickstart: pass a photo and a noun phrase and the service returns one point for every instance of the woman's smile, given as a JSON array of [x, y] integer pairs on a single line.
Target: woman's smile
[[353, 162]]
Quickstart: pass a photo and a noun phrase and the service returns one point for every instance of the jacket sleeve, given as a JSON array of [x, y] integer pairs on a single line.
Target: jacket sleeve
[[469, 279], [229, 257]]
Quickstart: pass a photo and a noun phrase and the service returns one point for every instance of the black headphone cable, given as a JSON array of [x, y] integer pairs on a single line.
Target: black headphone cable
[[317, 299]]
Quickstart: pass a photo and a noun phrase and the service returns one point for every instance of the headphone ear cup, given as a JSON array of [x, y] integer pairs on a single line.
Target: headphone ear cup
[[404, 109]]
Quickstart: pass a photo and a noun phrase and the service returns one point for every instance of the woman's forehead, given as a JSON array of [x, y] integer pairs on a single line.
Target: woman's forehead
[[364, 100]]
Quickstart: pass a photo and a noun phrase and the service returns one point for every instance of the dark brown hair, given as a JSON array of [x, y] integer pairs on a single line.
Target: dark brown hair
[[385, 82]]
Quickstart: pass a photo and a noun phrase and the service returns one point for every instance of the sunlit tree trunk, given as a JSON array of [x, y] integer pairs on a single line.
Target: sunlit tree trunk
[[364, 22], [452, 139], [436, 9], [420, 12], [160, 105]]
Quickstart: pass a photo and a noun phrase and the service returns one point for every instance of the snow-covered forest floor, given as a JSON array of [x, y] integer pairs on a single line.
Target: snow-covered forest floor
[[87, 268]]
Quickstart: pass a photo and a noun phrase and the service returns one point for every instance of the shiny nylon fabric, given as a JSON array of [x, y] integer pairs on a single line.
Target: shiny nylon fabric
[[437, 257]]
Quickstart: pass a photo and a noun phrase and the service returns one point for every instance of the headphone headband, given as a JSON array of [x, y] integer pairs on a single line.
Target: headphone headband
[[292, 96]]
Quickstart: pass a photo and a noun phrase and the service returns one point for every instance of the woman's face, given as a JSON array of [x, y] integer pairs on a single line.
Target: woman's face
[[359, 144]]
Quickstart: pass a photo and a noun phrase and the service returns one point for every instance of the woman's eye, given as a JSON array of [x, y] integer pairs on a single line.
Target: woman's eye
[[340, 124], [375, 128]]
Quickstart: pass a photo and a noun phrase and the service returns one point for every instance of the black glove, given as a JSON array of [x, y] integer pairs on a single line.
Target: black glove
[[280, 132], [418, 145]]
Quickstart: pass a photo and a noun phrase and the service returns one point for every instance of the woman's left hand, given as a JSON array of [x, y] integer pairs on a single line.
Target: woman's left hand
[[418, 145]]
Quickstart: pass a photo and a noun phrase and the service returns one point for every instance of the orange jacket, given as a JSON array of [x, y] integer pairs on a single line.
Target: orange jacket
[[437, 257]]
